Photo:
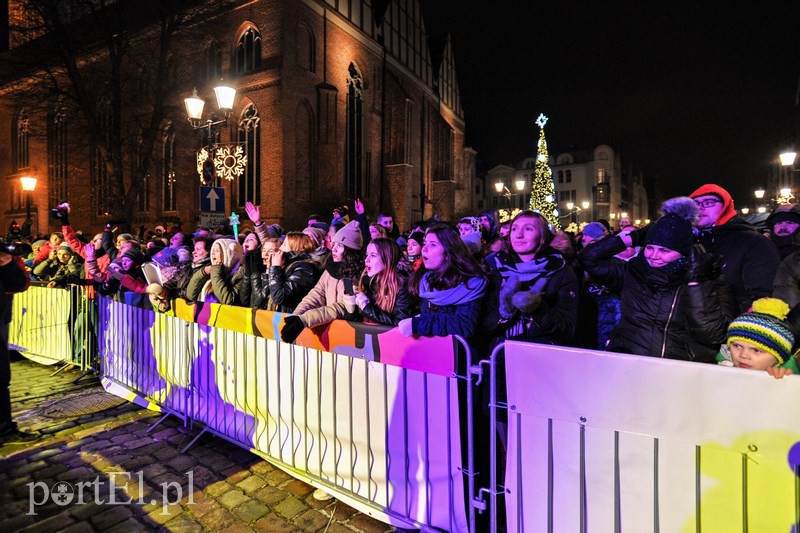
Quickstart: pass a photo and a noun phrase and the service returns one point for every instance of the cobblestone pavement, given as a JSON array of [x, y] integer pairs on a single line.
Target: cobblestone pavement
[[234, 490]]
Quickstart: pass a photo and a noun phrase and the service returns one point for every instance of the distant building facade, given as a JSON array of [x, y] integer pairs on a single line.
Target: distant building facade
[[594, 177], [336, 101]]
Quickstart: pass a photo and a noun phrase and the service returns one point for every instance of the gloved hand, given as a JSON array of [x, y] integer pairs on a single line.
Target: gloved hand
[[526, 301], [703, 266], [253, 263], [638, 236], [89, 252], [510, 286], [349, 302], [406, 327], [362, 300], [292, 328]]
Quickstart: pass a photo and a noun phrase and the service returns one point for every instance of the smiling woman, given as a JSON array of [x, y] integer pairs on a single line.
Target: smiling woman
[[674, 302]]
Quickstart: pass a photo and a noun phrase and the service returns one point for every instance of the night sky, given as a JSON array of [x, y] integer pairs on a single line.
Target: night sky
[[687, 94]]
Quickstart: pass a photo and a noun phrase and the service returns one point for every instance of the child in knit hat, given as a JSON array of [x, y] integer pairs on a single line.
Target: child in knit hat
[[761, 340]]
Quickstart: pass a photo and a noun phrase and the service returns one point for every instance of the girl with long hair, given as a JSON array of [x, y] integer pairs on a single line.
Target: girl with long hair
[[450, 285], [383, 293], [291, 273]]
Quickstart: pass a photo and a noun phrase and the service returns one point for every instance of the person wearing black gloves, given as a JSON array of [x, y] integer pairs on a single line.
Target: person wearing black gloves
[[675, 304], [13, 279]]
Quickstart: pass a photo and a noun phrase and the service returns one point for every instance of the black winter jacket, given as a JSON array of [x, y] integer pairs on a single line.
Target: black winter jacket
[[662, 316], [553, 321], [403, 306], [288, 285], [750, 260]]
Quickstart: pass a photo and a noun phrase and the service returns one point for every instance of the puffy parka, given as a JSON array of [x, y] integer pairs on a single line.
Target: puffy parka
[[750, 260], [662, 316], [285, 287]]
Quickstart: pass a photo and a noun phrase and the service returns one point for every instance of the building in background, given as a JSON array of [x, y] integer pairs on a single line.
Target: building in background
[[335, 101], [592, 182]]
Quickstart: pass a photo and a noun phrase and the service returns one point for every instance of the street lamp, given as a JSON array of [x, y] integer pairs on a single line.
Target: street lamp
[[28, 185], [233, 160], [759, 193], [194, 109], [788, 157]]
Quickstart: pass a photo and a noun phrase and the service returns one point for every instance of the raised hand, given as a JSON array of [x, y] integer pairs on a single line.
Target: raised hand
[[359, 205], [88, 251], [253, 212], [277, 258]]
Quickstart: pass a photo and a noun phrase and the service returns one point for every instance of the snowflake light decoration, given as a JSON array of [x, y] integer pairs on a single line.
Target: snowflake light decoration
[[230, 162], [202, 155]]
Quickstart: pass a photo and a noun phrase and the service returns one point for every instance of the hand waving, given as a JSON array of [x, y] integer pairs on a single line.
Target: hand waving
[[253, 212]]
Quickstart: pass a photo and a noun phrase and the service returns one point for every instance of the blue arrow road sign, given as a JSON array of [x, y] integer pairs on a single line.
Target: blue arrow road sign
[[212, 199]]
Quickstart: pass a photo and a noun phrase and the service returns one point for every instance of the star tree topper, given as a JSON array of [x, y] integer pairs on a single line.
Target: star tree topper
[[541, 121]]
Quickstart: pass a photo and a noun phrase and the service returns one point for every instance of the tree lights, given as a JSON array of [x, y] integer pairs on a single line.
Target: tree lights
[[543, 191]]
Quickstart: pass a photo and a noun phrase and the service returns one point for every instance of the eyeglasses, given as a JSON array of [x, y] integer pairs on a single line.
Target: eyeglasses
[[708, 202]]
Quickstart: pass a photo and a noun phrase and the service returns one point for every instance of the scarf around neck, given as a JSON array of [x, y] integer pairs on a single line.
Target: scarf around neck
[[463, 293]]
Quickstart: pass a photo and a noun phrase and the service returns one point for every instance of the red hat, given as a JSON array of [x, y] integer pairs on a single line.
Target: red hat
[[728, 211]]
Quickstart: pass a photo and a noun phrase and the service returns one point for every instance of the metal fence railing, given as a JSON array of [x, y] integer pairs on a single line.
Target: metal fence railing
[[366, 414], [54, 325]]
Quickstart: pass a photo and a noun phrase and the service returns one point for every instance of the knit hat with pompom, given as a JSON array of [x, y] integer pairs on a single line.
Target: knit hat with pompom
[[674, 230], [764, 326]]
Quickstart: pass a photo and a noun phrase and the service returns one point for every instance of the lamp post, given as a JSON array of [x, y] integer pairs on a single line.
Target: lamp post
[[210, 127], [28, 185]]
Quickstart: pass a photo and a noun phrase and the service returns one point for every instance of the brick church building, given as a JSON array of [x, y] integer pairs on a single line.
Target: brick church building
[[336, 100]]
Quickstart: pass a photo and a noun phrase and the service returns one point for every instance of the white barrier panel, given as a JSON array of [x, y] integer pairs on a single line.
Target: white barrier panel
[[384, 437], [40, 324], [603, 442]]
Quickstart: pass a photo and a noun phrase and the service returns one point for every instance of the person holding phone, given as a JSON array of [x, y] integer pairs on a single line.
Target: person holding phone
[[383, 294], [325, 302]]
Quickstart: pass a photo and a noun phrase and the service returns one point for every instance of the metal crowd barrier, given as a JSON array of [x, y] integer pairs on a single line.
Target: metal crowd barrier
[[54, 325], [612, 442], [360, 411]]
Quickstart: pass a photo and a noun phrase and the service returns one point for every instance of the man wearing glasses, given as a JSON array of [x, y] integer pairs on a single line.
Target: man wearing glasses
[[750, 260]]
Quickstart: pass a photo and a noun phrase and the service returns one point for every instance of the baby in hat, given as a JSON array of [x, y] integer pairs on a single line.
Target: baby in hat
[[761, 339]]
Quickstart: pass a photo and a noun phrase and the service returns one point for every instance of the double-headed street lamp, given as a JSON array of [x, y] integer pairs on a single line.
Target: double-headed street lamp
[[574, 210], [502, 190], [194, 109]]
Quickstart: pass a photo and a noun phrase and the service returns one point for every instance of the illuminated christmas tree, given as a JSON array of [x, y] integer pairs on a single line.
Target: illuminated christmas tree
[[543, 190]]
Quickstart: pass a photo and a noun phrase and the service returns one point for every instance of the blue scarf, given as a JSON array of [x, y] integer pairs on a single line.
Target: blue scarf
[[472, 289], [536, 272]]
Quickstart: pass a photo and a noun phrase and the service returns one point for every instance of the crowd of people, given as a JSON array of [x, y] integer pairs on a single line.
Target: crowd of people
[[699, 284], [676, 288]]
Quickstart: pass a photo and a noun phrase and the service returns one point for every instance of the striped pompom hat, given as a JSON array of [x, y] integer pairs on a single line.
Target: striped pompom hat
[[764, 326]]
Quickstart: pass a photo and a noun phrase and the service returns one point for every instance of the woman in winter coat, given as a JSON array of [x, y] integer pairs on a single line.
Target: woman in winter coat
[[382, 296], [674, 302], [325, 301], [219, 282], [534, 292], [290, 274], [450, 285], [60, 268]]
